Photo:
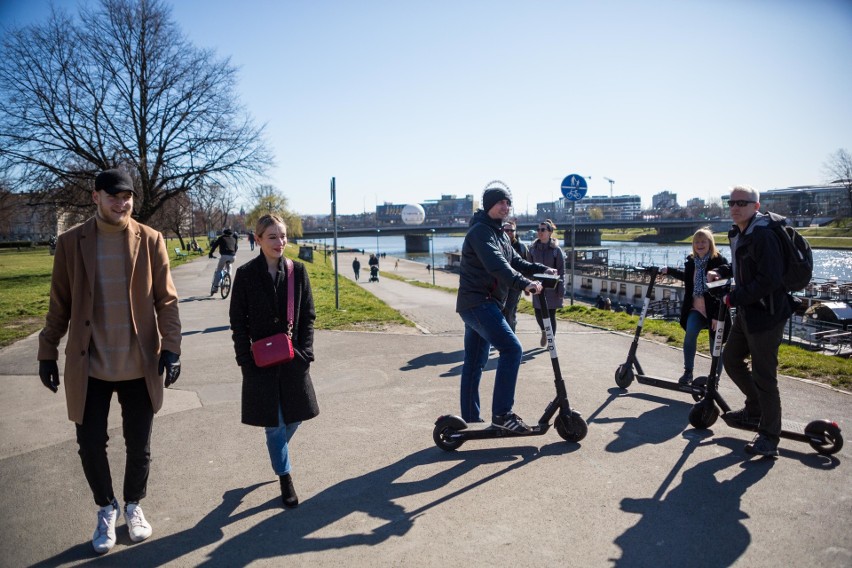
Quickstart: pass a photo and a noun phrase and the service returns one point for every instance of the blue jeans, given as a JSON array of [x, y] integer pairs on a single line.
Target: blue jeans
[[277, 440], [484, 326], [695, 322]]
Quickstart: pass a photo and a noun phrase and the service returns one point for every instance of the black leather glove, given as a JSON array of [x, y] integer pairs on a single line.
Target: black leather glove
[[48, 372], [170, 363]]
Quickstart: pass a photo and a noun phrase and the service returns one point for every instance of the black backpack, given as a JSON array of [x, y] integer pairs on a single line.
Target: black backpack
[[798, 258]]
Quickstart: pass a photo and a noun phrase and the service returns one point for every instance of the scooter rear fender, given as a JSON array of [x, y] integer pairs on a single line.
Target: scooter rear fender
[[451, 421]]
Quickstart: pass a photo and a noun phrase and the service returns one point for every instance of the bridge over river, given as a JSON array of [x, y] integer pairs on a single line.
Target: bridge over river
[[588, 233]]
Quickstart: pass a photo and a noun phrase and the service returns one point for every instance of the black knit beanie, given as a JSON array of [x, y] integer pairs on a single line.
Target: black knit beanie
[[494, 195]]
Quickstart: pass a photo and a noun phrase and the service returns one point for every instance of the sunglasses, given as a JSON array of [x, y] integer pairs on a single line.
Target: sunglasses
[[508, 230], [543, 230], [739, 202]]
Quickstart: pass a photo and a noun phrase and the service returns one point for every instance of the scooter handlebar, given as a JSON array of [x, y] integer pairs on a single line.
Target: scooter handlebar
[[719, 288], [547, 280]]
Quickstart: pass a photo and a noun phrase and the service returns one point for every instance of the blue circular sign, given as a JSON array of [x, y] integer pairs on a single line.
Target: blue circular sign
[[574, 187]]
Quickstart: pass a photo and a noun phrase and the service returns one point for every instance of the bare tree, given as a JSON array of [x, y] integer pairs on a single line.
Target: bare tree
[[270, 201], [121, 86], [838, 169]]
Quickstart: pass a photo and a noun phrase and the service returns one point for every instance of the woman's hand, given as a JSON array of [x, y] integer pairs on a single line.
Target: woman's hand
[[713, 324], [712, 276]]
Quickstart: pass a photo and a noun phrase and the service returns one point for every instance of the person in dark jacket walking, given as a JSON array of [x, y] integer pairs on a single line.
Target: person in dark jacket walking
[[280, 397], [699, 309], [510, 311], [763, 307], [356, 268], [489, 268]]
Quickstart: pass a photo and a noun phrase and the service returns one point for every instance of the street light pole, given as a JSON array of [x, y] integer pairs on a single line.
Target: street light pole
[[377, 242], [432, 248]]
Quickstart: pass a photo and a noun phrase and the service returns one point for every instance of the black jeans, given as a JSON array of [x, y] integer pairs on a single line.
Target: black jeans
[[137, 416], [759, 383]]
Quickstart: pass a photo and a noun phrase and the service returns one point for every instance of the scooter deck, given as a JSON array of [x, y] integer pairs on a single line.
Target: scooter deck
[[669, 385], [492, 431], [789, 429]]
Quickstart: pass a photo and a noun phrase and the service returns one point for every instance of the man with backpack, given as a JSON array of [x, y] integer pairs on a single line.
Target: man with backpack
[[763, 306]]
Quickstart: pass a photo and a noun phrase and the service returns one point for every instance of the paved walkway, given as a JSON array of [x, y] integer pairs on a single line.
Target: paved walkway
[[642, 489]]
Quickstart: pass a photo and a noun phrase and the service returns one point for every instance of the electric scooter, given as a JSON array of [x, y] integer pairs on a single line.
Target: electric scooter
[[824, 436], [452, 431], [631, 368]]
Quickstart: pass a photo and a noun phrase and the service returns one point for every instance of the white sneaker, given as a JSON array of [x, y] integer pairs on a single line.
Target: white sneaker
[[137, 526], [104, 538]]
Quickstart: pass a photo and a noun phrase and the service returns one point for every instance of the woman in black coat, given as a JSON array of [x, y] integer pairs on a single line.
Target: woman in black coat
[[699, 308], [278, 398]]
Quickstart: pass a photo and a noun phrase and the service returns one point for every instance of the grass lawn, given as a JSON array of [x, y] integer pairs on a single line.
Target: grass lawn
[[25, 292]]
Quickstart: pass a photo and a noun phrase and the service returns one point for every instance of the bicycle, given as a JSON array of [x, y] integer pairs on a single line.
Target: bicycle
[[224, 285], [225, 280]]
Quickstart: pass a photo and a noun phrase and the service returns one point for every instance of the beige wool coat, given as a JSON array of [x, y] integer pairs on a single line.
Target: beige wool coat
[[153, 307]]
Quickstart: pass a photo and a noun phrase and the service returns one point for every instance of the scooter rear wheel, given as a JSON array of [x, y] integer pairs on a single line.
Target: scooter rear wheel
[[441, 434], [571, 428], [703, 415], [624, 375], [825, 437]]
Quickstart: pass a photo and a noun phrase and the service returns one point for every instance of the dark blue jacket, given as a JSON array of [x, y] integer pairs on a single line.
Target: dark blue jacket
[[489, 265], [757, 268]]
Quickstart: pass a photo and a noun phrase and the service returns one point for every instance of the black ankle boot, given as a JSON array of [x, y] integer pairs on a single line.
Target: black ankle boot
[[288, 492]]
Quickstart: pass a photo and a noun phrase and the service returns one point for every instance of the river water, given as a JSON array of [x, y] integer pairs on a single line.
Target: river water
[[828, 263]]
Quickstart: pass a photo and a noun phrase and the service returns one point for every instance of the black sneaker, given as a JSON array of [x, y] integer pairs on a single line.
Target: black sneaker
[[685, 378], [511, 422], [762, 446], [743, 416]]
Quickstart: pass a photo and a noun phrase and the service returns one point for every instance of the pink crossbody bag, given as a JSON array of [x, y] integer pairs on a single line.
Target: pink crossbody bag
[[278, 348]]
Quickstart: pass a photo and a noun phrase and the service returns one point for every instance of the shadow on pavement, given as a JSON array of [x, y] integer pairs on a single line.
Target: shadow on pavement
[[301, 530], [207, 330], [699, 522]]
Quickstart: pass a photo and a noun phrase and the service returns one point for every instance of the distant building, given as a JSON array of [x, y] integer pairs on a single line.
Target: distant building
[[620, 207], [449, 210], [21, 219], [695, 203], [824, 201], [664, 200]]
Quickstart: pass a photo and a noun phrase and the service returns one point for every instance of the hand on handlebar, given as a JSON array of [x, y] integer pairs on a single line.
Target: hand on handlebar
[[534, 287], [712, 276], [551, 271]]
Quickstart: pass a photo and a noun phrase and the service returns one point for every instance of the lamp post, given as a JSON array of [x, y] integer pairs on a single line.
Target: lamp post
[[432, 248], [610, 193], [377, 242]]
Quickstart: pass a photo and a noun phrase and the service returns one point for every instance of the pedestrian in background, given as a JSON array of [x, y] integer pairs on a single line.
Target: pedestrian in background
[[356, 268], [545, 250], [112, 291], [510, 310], [278, 398], [251, 240]]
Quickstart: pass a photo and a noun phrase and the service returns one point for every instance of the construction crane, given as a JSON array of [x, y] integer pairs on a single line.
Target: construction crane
[[610, 193]]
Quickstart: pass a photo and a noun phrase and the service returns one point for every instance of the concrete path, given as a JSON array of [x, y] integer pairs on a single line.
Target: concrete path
[[642, 489]]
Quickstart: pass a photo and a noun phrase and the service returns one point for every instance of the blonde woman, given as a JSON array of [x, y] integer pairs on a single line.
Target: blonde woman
[[281, 397], [699, 307]]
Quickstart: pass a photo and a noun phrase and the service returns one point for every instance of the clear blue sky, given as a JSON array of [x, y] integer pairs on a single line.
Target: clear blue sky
[[405, 100]]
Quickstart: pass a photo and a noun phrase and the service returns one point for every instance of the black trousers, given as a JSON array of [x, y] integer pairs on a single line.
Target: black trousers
[[759, 383], [540, 318], [137, 416]]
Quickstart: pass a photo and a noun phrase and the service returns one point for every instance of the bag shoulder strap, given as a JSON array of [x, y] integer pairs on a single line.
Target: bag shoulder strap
[[291, 293]]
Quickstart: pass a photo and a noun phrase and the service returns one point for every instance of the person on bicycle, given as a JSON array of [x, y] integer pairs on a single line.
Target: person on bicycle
[[227, 245]]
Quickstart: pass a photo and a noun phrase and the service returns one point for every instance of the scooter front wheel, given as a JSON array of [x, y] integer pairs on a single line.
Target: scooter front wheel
[[571, 428], [624, 375], [442, 436], [703, 415], [824, 437], [699, 382]]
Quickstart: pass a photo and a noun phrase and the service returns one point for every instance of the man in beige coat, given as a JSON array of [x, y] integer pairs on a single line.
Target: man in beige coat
[[112, 292]]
